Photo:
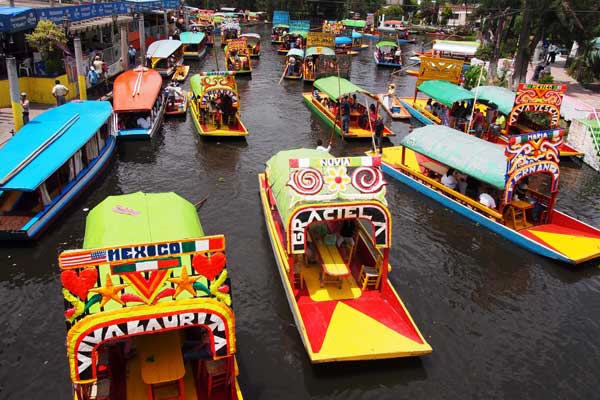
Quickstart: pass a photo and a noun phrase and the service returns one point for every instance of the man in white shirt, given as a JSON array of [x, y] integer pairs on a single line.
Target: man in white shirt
[[144, 123], [449, 180], [60, 92], [322, 148], [487, 200]]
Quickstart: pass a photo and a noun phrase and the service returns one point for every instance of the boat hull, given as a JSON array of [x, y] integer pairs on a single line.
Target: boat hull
[[525, 238], [397, 111], [42, 220], [404, 348], [328, 118], [223, 132], [383, 64]]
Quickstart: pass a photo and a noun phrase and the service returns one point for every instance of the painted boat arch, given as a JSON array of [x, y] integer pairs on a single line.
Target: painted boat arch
[[130, 287]]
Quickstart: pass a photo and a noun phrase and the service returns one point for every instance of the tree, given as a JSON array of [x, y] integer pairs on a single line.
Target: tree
[[49, 39], [391, 12], [446, 15]]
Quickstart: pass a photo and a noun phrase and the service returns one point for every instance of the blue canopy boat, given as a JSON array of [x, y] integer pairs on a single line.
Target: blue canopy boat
[[49, 162]]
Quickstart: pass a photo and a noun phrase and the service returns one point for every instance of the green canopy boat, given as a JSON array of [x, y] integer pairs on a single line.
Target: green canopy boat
[[445, 92], [141, 218], [503, 98], [475, 157], [335, 87]]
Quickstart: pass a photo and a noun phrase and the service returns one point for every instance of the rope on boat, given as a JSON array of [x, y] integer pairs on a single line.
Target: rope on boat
[[60, 131], [138, 84]]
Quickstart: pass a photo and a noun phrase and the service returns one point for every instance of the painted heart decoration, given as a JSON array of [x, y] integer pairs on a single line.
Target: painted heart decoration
[[209, 265], [81, 284]]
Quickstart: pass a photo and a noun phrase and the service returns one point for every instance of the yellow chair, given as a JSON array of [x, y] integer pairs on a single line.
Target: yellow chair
[[369, 276]]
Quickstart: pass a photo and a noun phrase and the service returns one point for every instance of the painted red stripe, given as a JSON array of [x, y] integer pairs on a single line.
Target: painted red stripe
[[216, 243], [294, 163], [168, 263]]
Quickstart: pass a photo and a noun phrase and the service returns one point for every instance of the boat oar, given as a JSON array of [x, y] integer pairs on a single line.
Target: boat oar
[[287, 65], [200, 203]]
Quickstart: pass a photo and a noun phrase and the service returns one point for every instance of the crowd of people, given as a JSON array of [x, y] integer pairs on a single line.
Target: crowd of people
[[459, 117], [219, 110]]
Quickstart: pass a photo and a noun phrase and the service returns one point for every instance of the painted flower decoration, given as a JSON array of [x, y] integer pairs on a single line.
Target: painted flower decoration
[[337, 179]]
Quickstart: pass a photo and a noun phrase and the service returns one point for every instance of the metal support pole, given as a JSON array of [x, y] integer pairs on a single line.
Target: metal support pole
[[142, 31], [166, 22], [186, 19], [81, 72], [124, 46], [15, 96]]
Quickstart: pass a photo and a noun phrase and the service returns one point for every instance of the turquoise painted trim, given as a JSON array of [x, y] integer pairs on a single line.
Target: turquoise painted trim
[[488, 223], [416, 114]]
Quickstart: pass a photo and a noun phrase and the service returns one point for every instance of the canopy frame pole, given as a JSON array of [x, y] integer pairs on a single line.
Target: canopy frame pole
[[371, 125], [474, 102]]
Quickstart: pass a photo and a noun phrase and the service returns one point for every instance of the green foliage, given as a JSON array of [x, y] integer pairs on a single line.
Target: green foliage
[[48, 38], [446, 15], [546, 79], [585, 68], [472, 76], [392, 12], [484, 52]]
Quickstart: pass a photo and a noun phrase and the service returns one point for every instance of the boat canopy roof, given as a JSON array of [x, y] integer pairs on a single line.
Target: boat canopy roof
[[356, 35], [251, 35], [335, 87], [297, 33], [354, 23], [475, 157], [386, 43], [163, 48], [281, 26], [325, 51], [79, 120], [278, 173], [191, 37], [454, 46], [136, 90], [343, 40], [230, 26], [295, 52], [203, 85], [503, 98], [393, 22], [141, 218], [445, 92]]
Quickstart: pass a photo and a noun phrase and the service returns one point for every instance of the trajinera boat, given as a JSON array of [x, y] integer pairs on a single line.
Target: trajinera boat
[[277, 33], [294, 65], [237, 57], [521, 179], [50, 162], [324, 100], [176, 100], [230, 30], [491, 100], [215, 105], [164, 56], [208, 29], [138, 102], [385, 55], [181, 72], [148, 304], [331, 234], [314, 58], [194, 44], [253, 43]]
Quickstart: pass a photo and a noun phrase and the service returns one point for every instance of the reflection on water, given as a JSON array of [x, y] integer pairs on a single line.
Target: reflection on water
[[503, 323]]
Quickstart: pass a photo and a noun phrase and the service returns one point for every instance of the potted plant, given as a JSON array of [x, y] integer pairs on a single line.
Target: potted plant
[[49, 39]]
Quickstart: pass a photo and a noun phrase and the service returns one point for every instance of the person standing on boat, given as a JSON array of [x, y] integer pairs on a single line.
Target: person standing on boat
[[60, 91], [25, 108], [345, 114], [390, 94], [379, 128], [322, 148], [132, 52], [478, 121], [445, 115]]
